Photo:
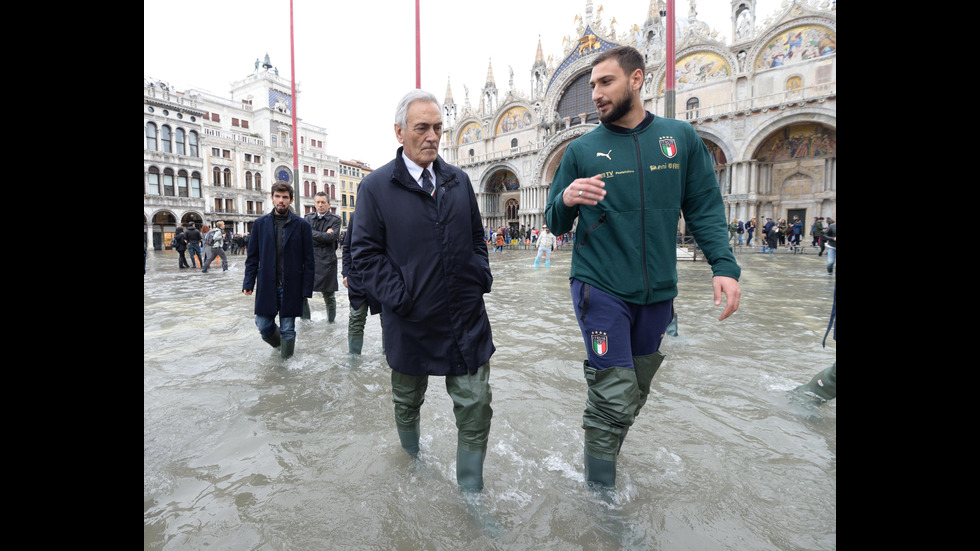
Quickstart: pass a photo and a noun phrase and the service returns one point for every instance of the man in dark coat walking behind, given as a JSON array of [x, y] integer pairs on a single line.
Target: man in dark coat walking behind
[[418, 244], [280, 258], [360, 302], [326, 233]]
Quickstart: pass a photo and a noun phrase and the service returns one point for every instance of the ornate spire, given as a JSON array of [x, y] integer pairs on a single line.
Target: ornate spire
[[449, 107]]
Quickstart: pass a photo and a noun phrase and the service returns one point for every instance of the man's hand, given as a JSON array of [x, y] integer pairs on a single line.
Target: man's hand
[[584, 191], [345, 283], [732, 291], [248, 292]]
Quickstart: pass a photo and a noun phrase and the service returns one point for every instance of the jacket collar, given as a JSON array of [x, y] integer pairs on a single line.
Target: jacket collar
[[647, 121], [401, 175]]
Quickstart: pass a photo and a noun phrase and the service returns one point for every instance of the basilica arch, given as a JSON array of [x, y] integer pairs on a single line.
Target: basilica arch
[[500, 196], [794, 170]]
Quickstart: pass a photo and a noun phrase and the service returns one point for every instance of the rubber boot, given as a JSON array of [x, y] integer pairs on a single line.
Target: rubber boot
[[823, 384], [645, 367], [599, 473], [331, 302], [469, 469], [354, 344], [287, 348], [536, 261], [410, 440], [609, 412], [306, 310], [273, 339]]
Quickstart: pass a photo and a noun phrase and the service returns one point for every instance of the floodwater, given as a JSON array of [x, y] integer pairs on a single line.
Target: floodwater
[[243, 451]]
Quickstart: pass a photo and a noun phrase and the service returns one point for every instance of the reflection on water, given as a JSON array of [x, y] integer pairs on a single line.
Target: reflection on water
[[244, 451]]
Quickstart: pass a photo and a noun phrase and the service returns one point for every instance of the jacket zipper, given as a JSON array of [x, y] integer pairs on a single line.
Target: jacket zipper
[[643, 221]]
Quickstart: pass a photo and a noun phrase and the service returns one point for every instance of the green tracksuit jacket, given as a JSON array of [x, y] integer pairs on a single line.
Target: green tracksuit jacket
[[626, 245]]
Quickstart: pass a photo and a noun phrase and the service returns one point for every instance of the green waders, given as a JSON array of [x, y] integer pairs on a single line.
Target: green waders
[[646, 367], [823, 384], [609, 412], [615, 397], [355, 328], [471, 405], [331, 301]]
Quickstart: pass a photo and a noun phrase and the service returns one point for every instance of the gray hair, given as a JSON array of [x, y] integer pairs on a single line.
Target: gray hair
[[401, 113]]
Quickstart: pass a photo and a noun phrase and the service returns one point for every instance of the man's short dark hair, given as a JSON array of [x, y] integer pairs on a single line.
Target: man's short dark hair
[[629, 59], [282, 186], [322, 194]]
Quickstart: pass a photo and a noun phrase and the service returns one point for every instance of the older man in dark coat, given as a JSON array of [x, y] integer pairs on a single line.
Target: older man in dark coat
[[418, 244], [326, 235], [280, 259]]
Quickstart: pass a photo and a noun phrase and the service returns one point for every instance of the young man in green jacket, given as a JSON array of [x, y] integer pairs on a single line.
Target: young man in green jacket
[[627, 182]]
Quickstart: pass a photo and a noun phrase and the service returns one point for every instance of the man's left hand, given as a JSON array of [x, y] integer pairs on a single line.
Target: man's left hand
[[732, 291]]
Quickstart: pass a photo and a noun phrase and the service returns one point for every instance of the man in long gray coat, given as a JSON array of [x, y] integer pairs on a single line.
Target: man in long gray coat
[[326, 232]]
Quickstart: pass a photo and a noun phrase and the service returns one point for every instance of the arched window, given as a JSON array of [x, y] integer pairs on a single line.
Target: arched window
[[192, 142], [306, 188], [248, 180], [227, 177], [195, 184], [153, 181], [313, 189], [168, 182], [511, 209], [216, 176], [513, 143], [165, 139], [151, 137], [576, 100], [180, 142], [182, 184], [258, 181], [333, 192], [692, 108]]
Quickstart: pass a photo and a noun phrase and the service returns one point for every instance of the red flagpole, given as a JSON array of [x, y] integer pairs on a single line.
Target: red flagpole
[[669, 96], [292, 75], [418, 49]]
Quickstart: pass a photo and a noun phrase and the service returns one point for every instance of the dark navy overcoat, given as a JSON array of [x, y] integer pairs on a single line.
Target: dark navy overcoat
[[423, 257], [297, 266]]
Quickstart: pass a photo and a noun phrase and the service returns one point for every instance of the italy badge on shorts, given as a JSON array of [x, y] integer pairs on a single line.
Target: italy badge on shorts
[[668, 146], [600, 343]]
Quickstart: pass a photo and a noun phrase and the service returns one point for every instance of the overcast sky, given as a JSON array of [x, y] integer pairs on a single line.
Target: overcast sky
[[355, 58]]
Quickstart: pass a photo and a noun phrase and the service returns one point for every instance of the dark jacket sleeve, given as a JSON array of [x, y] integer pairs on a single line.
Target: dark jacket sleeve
[[704, 210], [251, 261], [327, 239]]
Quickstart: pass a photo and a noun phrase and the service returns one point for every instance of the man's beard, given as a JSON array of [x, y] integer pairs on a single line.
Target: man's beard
[[619, 109]]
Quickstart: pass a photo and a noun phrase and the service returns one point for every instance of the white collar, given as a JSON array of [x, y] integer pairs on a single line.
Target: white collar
[[416, 171]]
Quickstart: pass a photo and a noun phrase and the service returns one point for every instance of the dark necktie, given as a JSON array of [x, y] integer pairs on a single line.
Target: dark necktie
[[426, 181]]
